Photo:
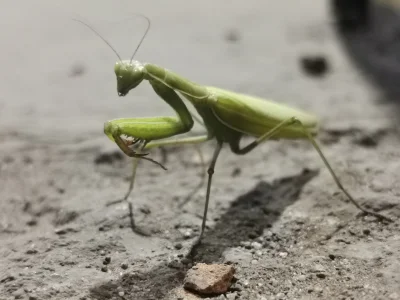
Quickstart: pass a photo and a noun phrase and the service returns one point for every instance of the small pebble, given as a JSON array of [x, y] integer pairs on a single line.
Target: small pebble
[[274, 282], [174, 263], [301, 278], [370, 218], [318, 268], [318, 289], [121, 294], [145, 209], [104, 269], [31, 251], [124, 266], [254, 262], [186, 261], [283, 254], [268, 234], [314, 65], [120, 288], [256, 245], [31, 222], [252, 235], [231, 296], [245, 244], [19, 294], [107, 260], [60, 231], [178, 246], [209, 278], [246, 283], [187, 234]]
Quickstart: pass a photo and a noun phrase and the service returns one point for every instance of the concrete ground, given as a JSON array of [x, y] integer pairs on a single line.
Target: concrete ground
[[276, 214]]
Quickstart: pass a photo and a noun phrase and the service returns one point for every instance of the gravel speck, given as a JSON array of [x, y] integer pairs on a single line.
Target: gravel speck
[[256, 245], [178, 246]]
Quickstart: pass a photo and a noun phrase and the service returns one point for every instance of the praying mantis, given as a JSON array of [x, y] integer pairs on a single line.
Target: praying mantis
[[227, 117]]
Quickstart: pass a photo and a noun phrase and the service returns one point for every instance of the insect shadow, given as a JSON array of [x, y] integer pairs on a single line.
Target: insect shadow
[[250, 213], [372, 41]]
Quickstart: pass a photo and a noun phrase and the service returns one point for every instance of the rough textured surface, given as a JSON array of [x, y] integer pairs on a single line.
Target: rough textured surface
[[209, 278], [275, 213]]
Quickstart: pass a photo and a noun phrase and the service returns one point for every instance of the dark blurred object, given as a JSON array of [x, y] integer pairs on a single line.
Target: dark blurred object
[[108, 157], [373, 44], [314, 65], [351, 15], [77, 70], [232, 36]]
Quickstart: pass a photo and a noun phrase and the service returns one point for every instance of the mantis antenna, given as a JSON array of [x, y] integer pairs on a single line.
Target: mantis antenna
[[100, 36], [109, 44], [144, 35]]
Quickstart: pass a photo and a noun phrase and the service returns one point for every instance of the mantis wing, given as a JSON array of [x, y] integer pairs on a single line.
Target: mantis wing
[[255, 116]]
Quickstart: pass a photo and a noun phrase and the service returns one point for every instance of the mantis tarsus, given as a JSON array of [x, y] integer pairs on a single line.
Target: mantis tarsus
[[227, 117]]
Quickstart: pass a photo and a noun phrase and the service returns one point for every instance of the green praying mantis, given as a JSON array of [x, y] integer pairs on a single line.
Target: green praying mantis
[[227, 117]]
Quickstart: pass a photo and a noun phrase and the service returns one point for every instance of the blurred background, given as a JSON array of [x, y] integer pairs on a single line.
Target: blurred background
[[57, 76]]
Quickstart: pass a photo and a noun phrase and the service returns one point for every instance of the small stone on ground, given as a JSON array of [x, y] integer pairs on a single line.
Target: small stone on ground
[[209, 279]]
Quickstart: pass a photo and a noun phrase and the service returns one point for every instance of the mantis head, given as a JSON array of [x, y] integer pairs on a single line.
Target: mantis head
[[129, 75]]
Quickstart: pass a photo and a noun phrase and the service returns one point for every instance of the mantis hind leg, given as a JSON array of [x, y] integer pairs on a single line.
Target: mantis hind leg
[[294, 121]]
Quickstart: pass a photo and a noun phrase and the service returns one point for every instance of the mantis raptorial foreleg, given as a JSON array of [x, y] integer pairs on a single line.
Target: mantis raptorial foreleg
[[124, 146], [294, 121], [171, 141], [147, 129]]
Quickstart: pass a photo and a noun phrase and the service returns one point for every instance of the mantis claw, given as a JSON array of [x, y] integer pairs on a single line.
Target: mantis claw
[[132, 146]]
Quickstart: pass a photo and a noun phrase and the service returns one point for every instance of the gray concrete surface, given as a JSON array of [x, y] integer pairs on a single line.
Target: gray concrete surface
[[57, 88]]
